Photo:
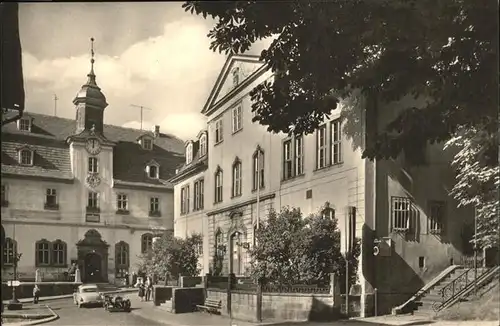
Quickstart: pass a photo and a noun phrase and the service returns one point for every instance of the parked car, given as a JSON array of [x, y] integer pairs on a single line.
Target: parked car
[[86, 295]]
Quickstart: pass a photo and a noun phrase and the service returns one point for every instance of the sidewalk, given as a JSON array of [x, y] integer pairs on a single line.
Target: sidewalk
[[147, 310]]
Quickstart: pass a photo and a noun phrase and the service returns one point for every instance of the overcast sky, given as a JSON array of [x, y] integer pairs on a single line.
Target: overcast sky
[[149, 54]]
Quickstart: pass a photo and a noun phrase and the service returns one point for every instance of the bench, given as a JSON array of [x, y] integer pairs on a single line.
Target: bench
[[211, 306]]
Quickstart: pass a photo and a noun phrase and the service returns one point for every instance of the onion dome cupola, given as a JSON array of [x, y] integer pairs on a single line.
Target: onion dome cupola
[[90, 102]]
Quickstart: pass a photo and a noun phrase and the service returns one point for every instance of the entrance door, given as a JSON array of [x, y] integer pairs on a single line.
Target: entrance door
[[236, 254], [93, 266]]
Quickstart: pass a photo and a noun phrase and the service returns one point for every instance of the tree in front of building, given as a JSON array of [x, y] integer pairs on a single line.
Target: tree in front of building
[[172, 257], [291, 249], [478, 181]]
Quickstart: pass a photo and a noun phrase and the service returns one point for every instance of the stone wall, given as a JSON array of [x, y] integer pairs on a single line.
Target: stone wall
[[185, 299], [244, 305], [217, 294], [296, 306]]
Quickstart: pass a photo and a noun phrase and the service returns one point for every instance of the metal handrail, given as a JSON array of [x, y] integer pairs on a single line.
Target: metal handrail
[[454, 289]]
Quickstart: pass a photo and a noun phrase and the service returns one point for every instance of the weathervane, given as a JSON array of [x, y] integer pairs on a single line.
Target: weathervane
[[92, 54]]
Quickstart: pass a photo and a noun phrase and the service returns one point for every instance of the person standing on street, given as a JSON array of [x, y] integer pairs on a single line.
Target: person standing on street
[[149, 288], [141, 289], [36, 294]]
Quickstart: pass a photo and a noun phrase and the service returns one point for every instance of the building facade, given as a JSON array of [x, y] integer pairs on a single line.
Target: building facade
[[247, 171], [81, 191]]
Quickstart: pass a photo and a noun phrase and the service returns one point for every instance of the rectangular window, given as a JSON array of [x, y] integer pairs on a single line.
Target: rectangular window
[[258, 170], [122, 202], [236, 115], [93, 165], [237, 179], [43, 253], [51, 198], [198, 194], [287, 159], [154, 204], [218, 187], [436, 216], [26, 157], [401, 213], [58, 251], [147, 143], [25, 124], [321, 147], [93, 200], [299, 156], [185, 200], [218, 131], [336, 140]]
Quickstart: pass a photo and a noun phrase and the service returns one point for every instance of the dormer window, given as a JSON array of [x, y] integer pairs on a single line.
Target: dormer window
[[147, 143], [153, 170], [203, 145], [26, 157], [24, 124], [189, 153]]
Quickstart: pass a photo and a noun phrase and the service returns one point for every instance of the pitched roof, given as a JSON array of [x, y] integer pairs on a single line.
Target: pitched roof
[[223, 87], [198, 163], [48, 139]]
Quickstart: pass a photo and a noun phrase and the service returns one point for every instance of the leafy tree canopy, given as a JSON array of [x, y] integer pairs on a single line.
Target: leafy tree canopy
[[292, 250], [445, 50], [172, 257]]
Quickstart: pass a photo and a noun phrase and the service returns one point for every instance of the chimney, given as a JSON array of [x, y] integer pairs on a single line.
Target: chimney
[[157, 131]]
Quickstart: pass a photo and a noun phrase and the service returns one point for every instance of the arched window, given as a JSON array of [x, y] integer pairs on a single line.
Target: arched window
[[203, 145], [237, 178], [258, 169], [218, 185], [121, 253], [9, 250], [219, 242], [146, 242], [59, 253], [42, 253]]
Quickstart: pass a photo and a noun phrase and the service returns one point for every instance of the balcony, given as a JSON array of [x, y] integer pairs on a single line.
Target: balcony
[[154, 214], [51, 207]]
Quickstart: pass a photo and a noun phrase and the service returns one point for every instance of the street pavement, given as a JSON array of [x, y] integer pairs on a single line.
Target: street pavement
[[69, 314]]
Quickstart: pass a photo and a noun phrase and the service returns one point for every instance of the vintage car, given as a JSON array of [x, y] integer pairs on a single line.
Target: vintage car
[[86, 295], [116, 303]]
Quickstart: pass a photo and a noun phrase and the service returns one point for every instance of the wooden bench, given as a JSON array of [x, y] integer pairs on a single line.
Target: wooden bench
[[211, 306]]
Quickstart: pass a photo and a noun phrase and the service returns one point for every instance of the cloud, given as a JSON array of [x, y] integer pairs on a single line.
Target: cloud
[[171, 74]]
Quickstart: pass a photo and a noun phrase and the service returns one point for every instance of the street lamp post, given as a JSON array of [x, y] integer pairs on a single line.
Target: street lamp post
[[15, 304]]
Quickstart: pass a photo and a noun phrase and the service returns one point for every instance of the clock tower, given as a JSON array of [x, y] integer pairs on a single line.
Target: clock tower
[[90, 103]]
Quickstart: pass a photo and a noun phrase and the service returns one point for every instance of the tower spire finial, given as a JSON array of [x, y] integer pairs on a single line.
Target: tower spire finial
[[91, 75]]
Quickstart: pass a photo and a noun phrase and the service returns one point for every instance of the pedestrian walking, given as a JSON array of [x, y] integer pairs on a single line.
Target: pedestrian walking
[[149, 288], [127, 279], [36, 294]]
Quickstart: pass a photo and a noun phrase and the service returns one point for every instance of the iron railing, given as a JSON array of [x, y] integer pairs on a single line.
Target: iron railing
[[457, 286]]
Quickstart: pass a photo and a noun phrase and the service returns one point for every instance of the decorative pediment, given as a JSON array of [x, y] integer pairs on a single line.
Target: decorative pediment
[[92, 238], [234, 73], [153, 163], [25, 147]]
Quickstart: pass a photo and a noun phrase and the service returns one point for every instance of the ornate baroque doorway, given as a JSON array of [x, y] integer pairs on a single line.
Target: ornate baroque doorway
[[93, 257]]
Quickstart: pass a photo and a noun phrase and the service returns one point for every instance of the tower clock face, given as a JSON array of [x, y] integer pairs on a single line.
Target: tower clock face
[[93, 146]]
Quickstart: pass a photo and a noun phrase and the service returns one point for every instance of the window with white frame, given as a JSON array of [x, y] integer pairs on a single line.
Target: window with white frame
[[26, 157], [237, 115], [122, 202], [153, 171], [185, 199], [401, 213], [93, 200], [189, 153], [154, 204], [336, 140], [51, 198], [237, 178], [436, 216], [93, 165], [24, 124], [218, 186], [219, 131], [299, 155], [258, 169], [9, 249], [203, 145], [287, 160], [58, 253], [199, 194], [147, 143], [42, 250], [321, 147]]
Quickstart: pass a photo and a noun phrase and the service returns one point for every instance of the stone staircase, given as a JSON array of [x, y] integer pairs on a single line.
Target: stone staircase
[[426, 302]]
